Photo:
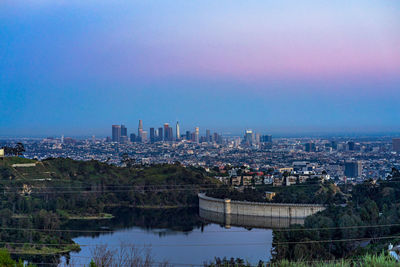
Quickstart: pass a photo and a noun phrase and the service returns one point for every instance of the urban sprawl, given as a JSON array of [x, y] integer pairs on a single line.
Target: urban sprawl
[[246, 160]]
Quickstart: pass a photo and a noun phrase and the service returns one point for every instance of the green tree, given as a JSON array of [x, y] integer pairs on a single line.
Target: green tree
[[5, 259], [19, 149]]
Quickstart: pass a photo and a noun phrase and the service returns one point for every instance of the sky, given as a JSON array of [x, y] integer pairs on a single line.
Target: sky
[[76, 67]]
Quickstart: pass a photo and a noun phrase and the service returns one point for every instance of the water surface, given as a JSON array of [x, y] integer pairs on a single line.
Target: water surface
[[179, 236]]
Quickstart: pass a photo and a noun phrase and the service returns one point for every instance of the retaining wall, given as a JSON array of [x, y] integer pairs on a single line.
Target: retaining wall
[[229, 220], [263, 209]]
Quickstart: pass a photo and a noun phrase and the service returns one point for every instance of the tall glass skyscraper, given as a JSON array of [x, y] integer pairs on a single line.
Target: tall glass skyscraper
[[124, 130], [140, 128], [152, 135], [166, 132], [160, 134], [197, 135], [116, 133]]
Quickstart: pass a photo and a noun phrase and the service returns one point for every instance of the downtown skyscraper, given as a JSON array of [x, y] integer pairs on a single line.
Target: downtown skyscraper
[[124, 135], [178, 132], [197, 135], [116, 133], [140, 128], [160, 136], [124, 130], [165, 133], [168, 134], [152, 135]]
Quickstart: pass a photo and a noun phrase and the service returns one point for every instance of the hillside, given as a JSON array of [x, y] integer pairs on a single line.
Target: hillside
[[367, 224], [53, 191], [156, 185], [313, 191]]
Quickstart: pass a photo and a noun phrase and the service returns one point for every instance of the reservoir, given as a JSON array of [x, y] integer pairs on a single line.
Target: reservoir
[[183, 237]]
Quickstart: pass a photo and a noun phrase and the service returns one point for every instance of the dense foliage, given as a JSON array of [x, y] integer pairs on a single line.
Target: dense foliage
[[366, 224], [381, 260], [7, 261], [37, 201], [44, 197], [65, 184], [312, 191]]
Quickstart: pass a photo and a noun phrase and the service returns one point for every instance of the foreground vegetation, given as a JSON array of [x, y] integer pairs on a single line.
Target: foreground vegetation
[[366, 224], [37, 201], [313, 191], [7, 261], [129, 255], [376, 260], [359, 219]]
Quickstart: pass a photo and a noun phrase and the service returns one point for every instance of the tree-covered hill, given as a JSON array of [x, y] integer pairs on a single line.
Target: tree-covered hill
[[43, 197], [367, 224], [313, 191], [88, 186]]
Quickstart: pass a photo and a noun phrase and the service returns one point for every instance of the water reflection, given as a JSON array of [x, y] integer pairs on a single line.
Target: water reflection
[[177, 235], [157, 221], [186, 248], [229, 220]]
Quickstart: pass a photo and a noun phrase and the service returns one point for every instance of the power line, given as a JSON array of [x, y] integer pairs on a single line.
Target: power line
[[335, 240], [216, 185], [194, 186], [211, 231], [116, 185], [155, 263], [113, 191], [162, 186], [220, 244]]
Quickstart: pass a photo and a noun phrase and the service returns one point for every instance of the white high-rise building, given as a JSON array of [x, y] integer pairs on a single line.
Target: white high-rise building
[[178, 133], [249, 137], [197, 135]]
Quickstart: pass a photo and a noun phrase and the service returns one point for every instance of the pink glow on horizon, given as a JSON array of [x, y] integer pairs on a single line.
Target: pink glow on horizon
[[287, 44], [256, 62]]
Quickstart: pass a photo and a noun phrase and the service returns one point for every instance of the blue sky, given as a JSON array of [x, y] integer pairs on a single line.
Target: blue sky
[[75, 68]]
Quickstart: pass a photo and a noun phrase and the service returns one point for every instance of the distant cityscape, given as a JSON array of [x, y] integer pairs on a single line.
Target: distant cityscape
[[250, 159], [119, 134]]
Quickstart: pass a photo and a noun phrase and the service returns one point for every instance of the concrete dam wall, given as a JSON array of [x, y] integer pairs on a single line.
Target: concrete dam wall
[[229, 220], [261, 209]]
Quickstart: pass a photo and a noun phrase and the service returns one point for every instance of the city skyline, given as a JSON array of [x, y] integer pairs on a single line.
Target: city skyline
[[234, 132], [121, 134], [199, 133], [288, 67]]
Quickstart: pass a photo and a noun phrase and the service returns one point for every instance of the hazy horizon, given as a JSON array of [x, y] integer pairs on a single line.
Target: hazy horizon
[[294, 134], [287, 67]]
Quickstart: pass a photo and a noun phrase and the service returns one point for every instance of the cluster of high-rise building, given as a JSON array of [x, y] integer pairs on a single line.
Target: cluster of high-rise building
[[343, 159], [166, 134], [161, 134], [343, 146], [251, 138], [119, 133]]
